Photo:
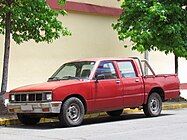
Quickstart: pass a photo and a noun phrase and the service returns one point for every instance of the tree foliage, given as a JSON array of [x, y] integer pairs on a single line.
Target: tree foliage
[[154, 25], [32, 19], [24, 20]]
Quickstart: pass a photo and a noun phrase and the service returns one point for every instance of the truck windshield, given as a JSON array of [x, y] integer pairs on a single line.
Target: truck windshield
[[73, 70]]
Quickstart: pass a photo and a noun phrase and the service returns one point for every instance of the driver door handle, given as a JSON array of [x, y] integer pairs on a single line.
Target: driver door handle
[[117, 81], [137, 80]]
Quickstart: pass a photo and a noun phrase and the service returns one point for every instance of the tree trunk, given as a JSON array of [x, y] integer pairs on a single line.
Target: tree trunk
[[176, 65], [6, 55], [6, 59]]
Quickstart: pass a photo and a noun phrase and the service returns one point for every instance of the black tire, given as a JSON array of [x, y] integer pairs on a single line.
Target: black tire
[[28, 120], [115, 113], [153, 107], [72, 112]]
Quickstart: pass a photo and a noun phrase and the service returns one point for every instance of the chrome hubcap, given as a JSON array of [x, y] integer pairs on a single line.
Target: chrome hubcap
[[73, 112], [154, 105]]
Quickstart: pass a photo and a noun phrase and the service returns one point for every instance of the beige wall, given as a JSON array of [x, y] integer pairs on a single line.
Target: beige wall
[[183, 70], [165, 64], [92, 36], [161, 63], [109, 3]]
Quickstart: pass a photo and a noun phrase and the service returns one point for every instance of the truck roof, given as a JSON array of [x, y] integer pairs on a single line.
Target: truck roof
[[102, 59]]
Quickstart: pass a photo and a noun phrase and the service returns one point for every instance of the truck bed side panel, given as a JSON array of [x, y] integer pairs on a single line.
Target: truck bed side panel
[[168, 83]]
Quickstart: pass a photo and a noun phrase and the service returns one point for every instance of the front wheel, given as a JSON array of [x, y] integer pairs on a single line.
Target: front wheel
[[153, 107], [28, 120], [72, 112]]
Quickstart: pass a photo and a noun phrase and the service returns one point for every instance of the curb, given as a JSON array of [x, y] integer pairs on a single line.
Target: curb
[[169, 106], [166, 106], [5, 122]]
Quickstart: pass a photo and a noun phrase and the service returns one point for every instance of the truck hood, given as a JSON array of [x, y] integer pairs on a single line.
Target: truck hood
[[47, 86]]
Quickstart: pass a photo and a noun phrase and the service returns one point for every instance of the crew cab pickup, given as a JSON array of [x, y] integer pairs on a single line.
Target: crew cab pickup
[[94, 85]]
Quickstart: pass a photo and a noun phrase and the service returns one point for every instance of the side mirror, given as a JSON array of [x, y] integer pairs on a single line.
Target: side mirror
[[99, 77]]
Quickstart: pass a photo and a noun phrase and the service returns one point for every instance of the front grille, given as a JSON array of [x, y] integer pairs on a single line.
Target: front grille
[[18, 97], [30, 97], [38, 97], [23, 97]]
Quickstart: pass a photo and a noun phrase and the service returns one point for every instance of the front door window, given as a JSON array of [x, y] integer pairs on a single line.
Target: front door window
[[107, 70]]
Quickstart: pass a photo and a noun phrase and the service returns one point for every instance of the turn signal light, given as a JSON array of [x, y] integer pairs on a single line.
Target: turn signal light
[[45, 109], [55, 104], [11, 110]]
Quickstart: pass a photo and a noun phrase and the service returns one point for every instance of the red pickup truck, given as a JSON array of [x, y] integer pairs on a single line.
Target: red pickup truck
[[93, 85]]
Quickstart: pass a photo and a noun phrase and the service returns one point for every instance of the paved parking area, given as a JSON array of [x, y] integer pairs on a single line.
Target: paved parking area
[[171, 125]]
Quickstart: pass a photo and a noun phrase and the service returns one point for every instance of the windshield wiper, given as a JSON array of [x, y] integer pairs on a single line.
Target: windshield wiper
[[54, 79], [63, 78]]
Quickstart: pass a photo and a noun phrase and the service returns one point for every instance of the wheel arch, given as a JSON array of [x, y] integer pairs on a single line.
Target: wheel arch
[[158, 90], [79, 97]]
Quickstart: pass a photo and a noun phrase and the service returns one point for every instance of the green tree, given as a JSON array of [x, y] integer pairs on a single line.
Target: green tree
[[24, 20], [155, 25]]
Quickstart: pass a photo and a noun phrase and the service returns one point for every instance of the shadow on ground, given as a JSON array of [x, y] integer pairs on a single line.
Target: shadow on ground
[[92, 121]]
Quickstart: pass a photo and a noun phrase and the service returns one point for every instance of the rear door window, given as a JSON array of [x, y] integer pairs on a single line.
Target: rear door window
[[126, 69]]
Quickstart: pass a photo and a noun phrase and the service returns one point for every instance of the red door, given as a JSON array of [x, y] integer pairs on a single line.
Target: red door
[[133, 92], [108, 91]]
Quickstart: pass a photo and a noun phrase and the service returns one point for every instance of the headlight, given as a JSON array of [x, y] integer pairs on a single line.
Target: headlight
[[12, 97], [48, 96]]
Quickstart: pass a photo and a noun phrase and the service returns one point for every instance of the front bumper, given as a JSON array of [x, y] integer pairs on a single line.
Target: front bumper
[[47, 107]]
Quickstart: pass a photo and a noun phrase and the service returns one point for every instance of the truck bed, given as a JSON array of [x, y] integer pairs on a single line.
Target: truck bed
[[168, 82]]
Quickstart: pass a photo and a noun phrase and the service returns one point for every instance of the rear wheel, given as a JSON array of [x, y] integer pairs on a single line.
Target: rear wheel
[[115, 113], [153, 107], [72, 112], [28, 120]]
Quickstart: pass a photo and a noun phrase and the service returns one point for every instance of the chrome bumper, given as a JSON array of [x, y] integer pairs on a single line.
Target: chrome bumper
[[47, 107]]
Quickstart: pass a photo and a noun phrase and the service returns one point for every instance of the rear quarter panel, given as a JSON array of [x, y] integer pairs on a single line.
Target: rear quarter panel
[[169, 83]]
